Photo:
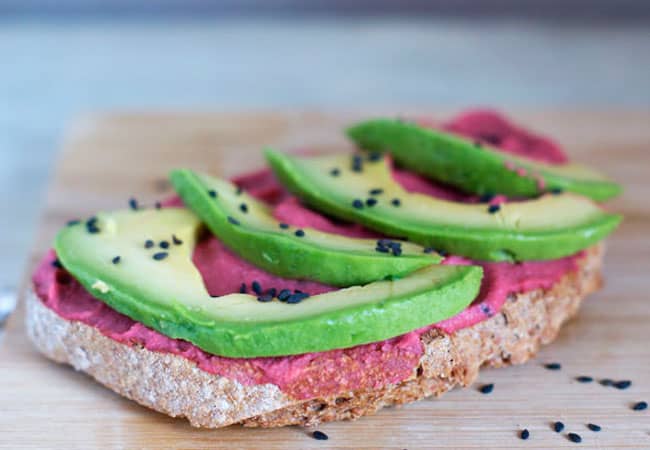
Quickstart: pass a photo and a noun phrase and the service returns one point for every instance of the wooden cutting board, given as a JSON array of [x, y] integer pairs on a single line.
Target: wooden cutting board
[[107, 159]]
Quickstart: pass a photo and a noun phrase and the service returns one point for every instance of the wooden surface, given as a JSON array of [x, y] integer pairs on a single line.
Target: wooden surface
[[109, 158]]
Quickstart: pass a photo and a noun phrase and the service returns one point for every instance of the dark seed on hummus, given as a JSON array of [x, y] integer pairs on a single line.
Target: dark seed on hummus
[[56, 263], [335, 172], [574, 437], [594, 427], [395, 202], [148, 243], [242, 288], [175, 240], [160, 256], [256, 287], [371, 201], [164, 244], [116, 260], [493, 208], [233, 220], [640, 406], [606, 382], [584, 379], [284, 295], [133, 204], [212, 193], [558, 427], [486, 388], [284, 226], [299, 233], [553, 366], [376, 191], [623, 384], [243, 207], [525, 434], [356, 203], [73, 222], [265, 298], [320, 436]]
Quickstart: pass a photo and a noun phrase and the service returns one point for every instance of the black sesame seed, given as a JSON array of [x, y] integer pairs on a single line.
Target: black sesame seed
[[212, 193], [584, 379], [164, 244], [158, 205], [553, 366], [242, 288], [148, 243], [382, 249], [175, 240], [73, 222], [133, 204], [558, 427], [299, 233], [429, 250], [265, 298], [525, 434], [91, 225], [116, 260], [283, 225], [233, 221], [356, 203], [574, 437], [397, 251], [357, 163], [297, 297], [640, 406], [160, 256], [56, 263], [623, 384], [371, 201], [335, 172], [376, 191], [594, 427], [271, 292], [374, 156], [486, 388], [243, 207], [256, 287], [556, 191], [606, 382], [442, 252], [284, 295], [493, 208], [395, 202], [320, 436]]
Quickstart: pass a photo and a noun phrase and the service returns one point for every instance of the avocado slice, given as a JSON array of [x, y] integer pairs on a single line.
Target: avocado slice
[[167, 292], [476, 168], [247, 227], [549, 227]]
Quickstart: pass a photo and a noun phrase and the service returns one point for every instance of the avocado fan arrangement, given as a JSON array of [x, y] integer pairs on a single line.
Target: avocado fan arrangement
[[420, 260]]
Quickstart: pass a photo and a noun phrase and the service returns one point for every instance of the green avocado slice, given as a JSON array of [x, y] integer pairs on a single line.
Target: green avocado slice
[[476, 168], [247, 227], [167, 292], [548, 227]]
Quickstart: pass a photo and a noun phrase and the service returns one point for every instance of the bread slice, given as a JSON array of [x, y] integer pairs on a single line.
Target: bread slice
[[175, 386]]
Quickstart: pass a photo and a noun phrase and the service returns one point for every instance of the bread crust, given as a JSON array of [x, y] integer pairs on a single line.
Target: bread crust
[[174, 385]]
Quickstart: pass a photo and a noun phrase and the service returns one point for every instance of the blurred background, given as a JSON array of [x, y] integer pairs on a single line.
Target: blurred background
[[60, 59]]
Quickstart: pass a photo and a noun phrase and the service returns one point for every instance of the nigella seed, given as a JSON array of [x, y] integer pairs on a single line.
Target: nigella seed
[[553, 366], [164, 244], [299, 233], [175, 240], [265, 298], [73, 222], [320, 436], [606, 382], [242, 288], [243, 207], [284, 295], [212, 193], [148, 243], [574, 437], [493, 208], [335, 172], [525, 434], [381, 249], [584, 379], [283, 225], [160, 256], [486, 198], [623, 384], [594, 427], [376, 191], [271, 292], [558, 427], [396, 202], [371, 201], [233, 221], [357, 163], [356, 203], [56, 263], [443, 253], [486, 388], [556, 191], [133, 204], [640, 406], [91, 225], [429, 250], [397, 251], [116, 260], [256, 287]]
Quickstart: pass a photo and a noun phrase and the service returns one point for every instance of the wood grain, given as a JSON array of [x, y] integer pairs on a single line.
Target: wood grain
[[106, 159]]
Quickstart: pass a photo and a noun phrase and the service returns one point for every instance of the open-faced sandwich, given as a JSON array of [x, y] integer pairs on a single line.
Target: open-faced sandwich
[[329, 286]]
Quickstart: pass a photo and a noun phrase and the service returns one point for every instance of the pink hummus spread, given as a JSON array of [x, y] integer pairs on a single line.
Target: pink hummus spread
[[330, 372]]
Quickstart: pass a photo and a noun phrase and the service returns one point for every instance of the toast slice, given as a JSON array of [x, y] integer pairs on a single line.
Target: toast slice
[[173, 385]]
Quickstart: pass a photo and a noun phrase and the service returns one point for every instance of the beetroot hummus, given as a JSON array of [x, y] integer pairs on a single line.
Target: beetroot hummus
[[330, 372]]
